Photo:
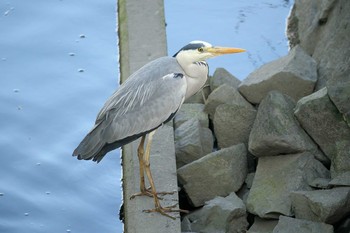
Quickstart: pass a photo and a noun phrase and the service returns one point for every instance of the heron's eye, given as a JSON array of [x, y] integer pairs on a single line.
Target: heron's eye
[[200, 50]]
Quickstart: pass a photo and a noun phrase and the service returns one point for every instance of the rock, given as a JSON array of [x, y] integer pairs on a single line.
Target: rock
[[232, 124], [218, 215], [292, 225], [341, 159], [294, 75], [262, 225], [216, 174], [339, 92], [326, 129], [341, 180], [224, 95], [320, 183], [328, 206], [191, 111], [276, 177], [192, 142], [276, 131], [321, 29], [222, 76]]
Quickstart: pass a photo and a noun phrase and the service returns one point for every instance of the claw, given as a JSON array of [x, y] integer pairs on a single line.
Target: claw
[[164, 210]]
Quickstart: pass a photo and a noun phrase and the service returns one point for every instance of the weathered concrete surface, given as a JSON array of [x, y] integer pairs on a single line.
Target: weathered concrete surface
[[276, 131], [219, 215], [294, 75], [276, 177], [139, 34], [292, 225], [327, 129], [322, 29], [216, 174]]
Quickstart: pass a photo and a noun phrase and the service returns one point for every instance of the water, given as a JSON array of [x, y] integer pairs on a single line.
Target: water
[[58, 65]]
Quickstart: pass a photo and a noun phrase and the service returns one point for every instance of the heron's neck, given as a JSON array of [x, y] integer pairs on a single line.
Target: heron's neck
[[196, 76]]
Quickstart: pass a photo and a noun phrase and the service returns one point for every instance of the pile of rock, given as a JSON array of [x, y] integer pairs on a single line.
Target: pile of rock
[[269, 154]]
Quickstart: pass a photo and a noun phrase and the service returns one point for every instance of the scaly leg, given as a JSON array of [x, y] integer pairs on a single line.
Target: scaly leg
[[143, 190], [158, 207]]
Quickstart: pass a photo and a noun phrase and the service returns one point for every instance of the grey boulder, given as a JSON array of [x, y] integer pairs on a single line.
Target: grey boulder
[[276, 131], [294, 75], [216, 174], [328, 206], [276, 177], [327, 129], [222, 76], [192, 141], [292, 225], [232, 124], [219, 215]]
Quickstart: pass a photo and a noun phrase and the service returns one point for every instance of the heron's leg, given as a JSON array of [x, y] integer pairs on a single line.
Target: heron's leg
[[143, 190], [158, 207], [140, 154]]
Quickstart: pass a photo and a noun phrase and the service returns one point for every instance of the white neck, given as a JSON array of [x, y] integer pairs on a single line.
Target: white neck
[[196, 74]]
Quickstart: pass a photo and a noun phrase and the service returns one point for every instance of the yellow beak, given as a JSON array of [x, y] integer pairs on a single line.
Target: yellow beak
[[216, 51]]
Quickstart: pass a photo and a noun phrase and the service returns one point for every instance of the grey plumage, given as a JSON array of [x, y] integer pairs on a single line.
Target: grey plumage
[[143, 103]]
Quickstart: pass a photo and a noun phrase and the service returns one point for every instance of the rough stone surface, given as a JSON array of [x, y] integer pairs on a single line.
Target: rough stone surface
[[232, 124], [294, 75], [192, 142], [216, 174], [224, 95], [341, 180], [276, 131], [328, 206], [292, 225], [322, 29], [341, 159], [339, 92], [222, 76], [262, 225], [219, 215], [276, 177], [327, 129], [191, 111]]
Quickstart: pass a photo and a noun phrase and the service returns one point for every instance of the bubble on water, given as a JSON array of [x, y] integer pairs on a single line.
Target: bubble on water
[[38, 164], [3, 59], [48, 192], [15, 90], [82, 36], [26, 214], [81, 70], [8, 11], [68, 230], [72, 54], [19, 107], [1, 194]]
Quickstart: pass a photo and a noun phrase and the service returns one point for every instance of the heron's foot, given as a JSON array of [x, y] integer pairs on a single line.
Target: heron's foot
[[147, 192], [165, 210]]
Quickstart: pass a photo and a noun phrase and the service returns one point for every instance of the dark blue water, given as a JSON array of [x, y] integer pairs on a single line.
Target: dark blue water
[[58, 65]]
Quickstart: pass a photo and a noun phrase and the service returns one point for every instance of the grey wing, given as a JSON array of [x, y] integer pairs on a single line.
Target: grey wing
[[137, 108]]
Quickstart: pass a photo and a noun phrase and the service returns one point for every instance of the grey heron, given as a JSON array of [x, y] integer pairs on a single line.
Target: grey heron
[[147, 99]]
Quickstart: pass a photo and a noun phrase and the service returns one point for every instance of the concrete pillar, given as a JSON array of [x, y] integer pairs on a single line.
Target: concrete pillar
[[142, 38]]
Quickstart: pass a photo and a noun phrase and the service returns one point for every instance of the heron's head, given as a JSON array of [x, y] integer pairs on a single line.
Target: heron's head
[[197, 51]]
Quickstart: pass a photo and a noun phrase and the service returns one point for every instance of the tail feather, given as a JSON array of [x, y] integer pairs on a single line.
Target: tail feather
[[91, 146]]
